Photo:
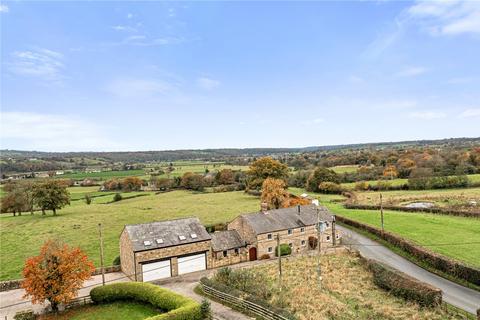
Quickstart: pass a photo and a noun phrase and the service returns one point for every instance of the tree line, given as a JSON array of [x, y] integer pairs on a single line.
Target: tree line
[[27, 196]]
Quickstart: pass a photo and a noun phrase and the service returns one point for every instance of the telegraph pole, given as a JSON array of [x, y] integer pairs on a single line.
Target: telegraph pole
[[381, 212], [279, 262], [101, 253], [319, 235]]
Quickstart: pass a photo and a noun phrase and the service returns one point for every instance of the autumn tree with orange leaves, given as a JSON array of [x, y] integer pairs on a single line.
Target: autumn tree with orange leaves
[[274, 193], [56, 274]]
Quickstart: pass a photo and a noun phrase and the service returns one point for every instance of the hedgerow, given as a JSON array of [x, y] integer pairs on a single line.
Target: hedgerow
[[175, 306]]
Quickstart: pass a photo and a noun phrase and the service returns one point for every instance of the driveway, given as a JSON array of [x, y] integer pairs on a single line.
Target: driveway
[[455, 294], [15, 297]]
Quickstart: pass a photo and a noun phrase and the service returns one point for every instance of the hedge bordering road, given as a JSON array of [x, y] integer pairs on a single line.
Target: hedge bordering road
[[436, 261], [458, 213]]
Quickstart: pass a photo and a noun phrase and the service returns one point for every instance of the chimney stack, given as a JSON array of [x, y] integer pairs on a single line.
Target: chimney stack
[[264, 207]]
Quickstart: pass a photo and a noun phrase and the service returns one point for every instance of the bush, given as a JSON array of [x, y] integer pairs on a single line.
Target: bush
[[177, 307], [117, 197], [116, 261], [330, 188], [404, 286], [206, 310], [362, 186], [321, 175], [24, 315], [285, 250], [312, 242], [88, 199]]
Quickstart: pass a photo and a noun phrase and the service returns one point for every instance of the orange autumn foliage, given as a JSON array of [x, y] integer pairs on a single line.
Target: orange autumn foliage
[[295, 201], [56, 274]]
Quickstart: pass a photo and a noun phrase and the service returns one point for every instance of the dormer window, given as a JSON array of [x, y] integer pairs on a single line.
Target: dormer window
[[182, 238]]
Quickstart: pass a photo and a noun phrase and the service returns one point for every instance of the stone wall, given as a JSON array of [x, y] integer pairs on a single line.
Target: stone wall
[[218, 260], [171, 252], [244, 229], [127, 260]]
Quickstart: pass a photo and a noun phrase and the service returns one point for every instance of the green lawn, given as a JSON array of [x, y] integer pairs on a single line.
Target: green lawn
[[440, 233], [111, 311], [77, 224]]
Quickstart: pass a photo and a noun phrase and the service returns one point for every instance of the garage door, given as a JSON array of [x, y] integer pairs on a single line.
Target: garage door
[[156, 270], [192, 263]]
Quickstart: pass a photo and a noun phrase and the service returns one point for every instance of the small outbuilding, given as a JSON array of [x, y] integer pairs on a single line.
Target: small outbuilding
[[228, 248], [157, 250]]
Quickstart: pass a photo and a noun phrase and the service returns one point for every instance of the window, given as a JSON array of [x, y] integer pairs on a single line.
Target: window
[[236, 251], [270, 249], [326, 224], [303, 242], [290, 245], [269, 236], [302, 229], [290, 231], [225, 253], [337, 236], [328, 238]]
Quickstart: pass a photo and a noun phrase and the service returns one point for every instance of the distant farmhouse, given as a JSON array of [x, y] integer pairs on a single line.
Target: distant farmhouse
[[164, 249]]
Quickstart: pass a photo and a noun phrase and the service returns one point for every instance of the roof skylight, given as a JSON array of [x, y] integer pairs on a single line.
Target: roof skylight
[[182, 238]]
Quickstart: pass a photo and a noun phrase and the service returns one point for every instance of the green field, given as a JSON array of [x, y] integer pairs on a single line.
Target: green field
[[77, 224], [102, 175], [110, 311], [440, 233], [473, 178], [345, 169]]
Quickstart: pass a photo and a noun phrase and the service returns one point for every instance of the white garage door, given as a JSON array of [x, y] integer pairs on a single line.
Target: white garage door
[[192, 263], [156, 270]]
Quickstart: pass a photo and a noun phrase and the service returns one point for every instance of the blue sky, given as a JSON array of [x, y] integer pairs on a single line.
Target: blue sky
[[78, 76]]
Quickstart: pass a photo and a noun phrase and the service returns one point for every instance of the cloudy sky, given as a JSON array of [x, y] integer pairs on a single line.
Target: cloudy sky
[[162, 75]]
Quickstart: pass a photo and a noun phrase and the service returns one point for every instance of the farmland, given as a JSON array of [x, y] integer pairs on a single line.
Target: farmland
[[77, 224], [348, 291]]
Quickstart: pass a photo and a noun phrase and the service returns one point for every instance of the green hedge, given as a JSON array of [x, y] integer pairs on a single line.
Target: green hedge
[[175, 306], [285, 250], [404, 286]]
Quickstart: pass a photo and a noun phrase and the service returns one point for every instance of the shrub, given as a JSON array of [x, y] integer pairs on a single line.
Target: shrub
[[177, 307], [264, 256], [205, 309], [330, 188], [321, 175], [117, 197], [401, 285], [88, 199], [312, 242], [116, 261], [285, 250], [362, 186], [24, 315]]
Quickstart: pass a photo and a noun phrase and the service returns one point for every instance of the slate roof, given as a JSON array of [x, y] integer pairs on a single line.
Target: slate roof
[[225, 240], [169, 231], [286, 218]]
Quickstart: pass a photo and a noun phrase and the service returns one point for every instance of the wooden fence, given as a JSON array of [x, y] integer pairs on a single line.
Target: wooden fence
[[242, 304]]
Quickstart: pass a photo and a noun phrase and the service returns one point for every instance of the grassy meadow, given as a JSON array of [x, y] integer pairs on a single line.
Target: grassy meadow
[[348, 291], [77, 224]]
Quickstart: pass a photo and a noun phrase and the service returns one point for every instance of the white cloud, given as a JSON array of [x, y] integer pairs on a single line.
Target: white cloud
[[470, 113], [129, 15], [4, 8], [51, 132], [427, 115], [43, 63], [411, 72], [144, 41], [130, 88], [208, 83], [124, 28], [447, 17], [312, 122]]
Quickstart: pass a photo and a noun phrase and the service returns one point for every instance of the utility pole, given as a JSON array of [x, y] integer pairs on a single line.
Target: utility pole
[[101, 253], [279, 262], [319, 236], [381, 212]]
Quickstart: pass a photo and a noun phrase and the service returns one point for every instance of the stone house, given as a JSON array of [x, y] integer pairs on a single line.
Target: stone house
[[163, 249], [293, 225], [228, 248]]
